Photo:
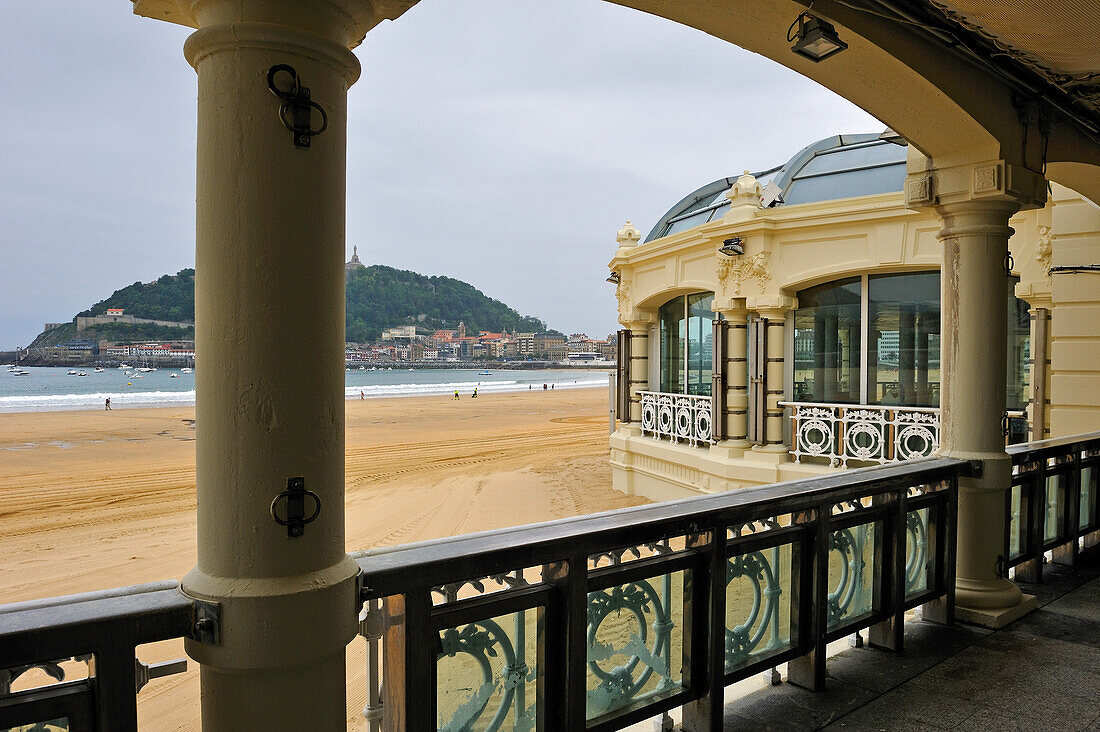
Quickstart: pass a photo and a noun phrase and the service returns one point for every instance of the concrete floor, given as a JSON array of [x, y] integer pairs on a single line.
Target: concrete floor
[[1040, 673]]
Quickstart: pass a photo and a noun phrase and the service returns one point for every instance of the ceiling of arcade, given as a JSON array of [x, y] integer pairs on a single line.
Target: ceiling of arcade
[[1011, 79]]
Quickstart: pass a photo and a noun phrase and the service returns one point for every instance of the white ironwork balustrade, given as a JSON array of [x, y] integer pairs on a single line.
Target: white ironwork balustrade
[[861, 432], [677, 417]]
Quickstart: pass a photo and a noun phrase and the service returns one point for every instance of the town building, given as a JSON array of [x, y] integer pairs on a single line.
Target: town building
[[823, 286]]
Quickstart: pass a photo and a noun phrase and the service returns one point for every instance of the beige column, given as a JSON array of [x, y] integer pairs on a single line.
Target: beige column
[[737, 385], [269, 368], [775, 449], [975, 241]]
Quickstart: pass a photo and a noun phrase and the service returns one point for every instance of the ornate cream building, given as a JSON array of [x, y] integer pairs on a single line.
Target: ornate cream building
[[787, 323]]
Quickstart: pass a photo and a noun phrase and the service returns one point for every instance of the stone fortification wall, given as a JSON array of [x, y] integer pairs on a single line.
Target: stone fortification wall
[[83, 322]]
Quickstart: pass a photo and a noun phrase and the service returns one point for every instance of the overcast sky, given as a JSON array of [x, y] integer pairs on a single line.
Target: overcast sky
[[502, 142]]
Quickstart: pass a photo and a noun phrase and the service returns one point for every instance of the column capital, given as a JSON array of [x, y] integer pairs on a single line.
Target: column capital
[[640, 321], [731, 308], [344, 21], [933, 184], [772, 307]]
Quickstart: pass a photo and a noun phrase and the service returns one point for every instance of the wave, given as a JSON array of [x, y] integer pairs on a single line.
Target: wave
[[185, 398]]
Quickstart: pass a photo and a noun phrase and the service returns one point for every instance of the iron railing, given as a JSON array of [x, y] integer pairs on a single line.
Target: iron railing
[[595, 622], [677, 417], [602, 621], [92, 636], [1052, 503], [862, 432]]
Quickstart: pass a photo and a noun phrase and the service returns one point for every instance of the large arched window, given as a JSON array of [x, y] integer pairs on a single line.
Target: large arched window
[[687, 344]]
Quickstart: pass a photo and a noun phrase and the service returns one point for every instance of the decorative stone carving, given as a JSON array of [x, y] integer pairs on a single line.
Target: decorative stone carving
[[745, 191], [1044, 248], [628, 236], [733, 272], [622, 292], [918, 190], [987, 179]]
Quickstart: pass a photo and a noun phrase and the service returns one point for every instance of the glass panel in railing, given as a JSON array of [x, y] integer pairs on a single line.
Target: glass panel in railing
[[635, 642], [1016, 539], [1054, 521], [60, 724], [1087, 514], [486, 674], [918, 558], [758, 605], [851, 573]]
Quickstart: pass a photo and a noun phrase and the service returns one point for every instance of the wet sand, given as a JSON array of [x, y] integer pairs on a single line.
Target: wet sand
[[97, 499]]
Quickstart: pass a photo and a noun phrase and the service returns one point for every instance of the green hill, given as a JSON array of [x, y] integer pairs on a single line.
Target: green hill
[[378, 297], [381, 297]]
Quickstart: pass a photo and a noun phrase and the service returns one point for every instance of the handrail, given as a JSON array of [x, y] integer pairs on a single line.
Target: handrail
[[127, 591], [101, 629], [397, 569], [477, 596]]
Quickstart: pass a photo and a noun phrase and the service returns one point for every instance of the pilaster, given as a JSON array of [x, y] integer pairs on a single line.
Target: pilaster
[[775, 312], [737, 385]]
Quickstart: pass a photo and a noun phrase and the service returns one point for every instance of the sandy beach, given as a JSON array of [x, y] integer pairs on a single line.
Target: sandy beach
[[99, 499]]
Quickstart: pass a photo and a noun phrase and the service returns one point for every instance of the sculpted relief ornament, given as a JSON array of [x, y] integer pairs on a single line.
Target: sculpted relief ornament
[[733, 272], [1043, 249], [622, 291]]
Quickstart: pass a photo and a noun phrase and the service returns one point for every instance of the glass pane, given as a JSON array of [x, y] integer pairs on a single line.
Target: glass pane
[[758, 605], [1019, 352], [903, 359], [827, 343], [1088, 497], [486, 673], [700, 346], [688, 222], [918, 560], [1055, 509], [635, 642], [851, 573], [673, 338], [1015, 527]]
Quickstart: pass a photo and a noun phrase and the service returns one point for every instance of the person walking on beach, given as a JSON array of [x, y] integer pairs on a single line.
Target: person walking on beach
[[107, 404], [474, 394], [361, 396], [456, 395]]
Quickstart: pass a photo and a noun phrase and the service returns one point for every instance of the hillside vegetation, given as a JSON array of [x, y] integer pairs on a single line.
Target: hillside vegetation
[[378, 297]]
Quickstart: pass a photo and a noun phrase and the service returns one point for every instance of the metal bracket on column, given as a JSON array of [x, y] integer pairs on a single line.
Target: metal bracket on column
[[205, 621], [293, 499], [296, 111]]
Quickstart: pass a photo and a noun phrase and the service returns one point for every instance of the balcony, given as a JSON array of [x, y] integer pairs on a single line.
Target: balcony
[[684, 418], [862, 433]]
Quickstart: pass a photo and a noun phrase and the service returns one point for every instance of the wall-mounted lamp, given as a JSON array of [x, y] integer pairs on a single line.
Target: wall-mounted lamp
[[731, 247], [613, 278], [814, 38]]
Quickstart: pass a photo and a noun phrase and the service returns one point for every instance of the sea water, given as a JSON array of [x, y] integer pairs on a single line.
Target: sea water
[[48, 389]]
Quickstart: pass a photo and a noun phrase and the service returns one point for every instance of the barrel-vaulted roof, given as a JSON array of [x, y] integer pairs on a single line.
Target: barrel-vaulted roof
[[842, 166]]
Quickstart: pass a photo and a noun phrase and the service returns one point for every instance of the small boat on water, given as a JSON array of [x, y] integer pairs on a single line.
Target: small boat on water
[[72, 373], [484, 373], [173, 376], [83, 373], [99, 369], [145, 369], [21, 373], [185, 370]]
